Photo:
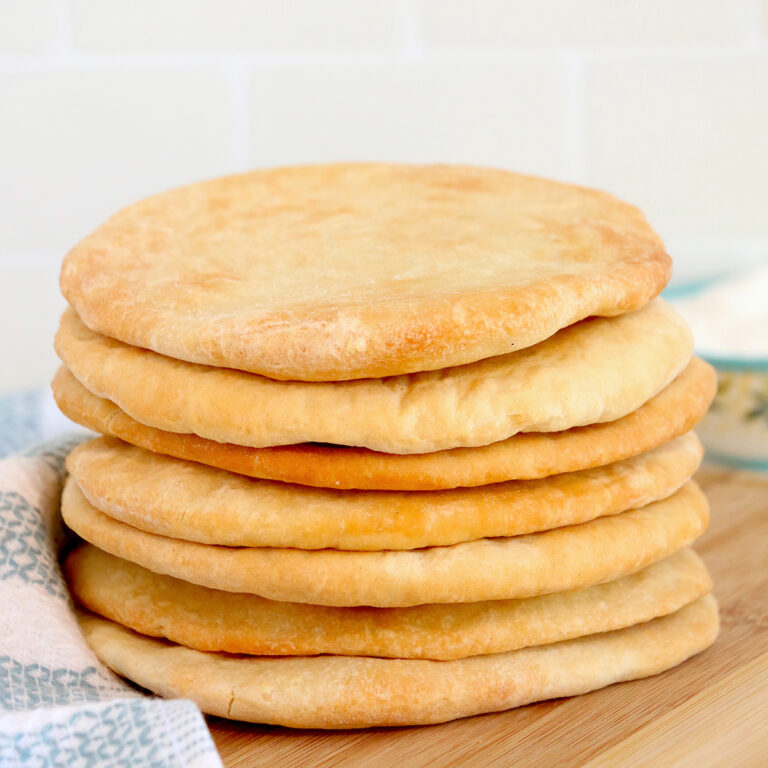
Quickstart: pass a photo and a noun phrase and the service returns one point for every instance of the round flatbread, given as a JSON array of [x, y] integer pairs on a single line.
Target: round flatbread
[[185, 500], [348, 271], [486, 569], [358, 692], [213, 620], [596, 371], [674, 411]]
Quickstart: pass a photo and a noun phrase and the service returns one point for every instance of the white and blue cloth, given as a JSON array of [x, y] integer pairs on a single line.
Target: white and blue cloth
[[59, 706]]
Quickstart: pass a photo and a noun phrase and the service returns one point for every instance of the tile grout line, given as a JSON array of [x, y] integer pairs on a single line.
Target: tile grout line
[[238, 91], [414, 43], [757, 42], [66, 55], [576, 117], [65, 37]]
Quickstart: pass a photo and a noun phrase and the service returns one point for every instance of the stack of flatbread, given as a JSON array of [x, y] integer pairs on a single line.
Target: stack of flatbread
[[382, 445]]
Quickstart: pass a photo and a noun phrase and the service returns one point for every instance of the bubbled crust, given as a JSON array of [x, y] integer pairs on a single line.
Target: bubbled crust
[[485, 569], [185, 500], [671, 413], [595, 371], [358, 692], [213, 620]]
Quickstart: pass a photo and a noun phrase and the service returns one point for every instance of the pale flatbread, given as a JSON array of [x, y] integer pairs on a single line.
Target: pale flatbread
[[674, 411], [184, 500], [357, 692], [598, 370], [351, 271], [486, 569], [212, 620]]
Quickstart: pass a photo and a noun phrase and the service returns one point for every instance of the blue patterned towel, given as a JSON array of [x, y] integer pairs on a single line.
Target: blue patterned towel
[[59, 706]]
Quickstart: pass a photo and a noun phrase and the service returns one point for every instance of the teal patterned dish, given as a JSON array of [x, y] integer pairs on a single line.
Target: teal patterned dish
[[735, 431], [729, 317]]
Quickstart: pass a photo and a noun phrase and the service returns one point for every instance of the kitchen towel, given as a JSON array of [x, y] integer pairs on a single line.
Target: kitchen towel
[[59, 706]]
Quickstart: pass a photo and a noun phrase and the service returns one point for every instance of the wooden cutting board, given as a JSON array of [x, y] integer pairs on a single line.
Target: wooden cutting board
[[711, 711]]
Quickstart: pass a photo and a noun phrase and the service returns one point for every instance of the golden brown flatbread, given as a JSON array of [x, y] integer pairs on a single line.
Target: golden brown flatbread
[[212, 620], [595, 371], [486, 569], [347, 271], [674, 411], [358, 692], [185, 500]]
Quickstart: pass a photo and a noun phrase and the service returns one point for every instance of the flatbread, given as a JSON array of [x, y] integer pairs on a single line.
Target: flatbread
[[212, 620], [358, 692], [352, 271], [674, 411], [185, 500], [486, 569], [598, 370]]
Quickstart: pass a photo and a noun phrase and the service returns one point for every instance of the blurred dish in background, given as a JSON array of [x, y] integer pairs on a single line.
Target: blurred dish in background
[[730, 324]]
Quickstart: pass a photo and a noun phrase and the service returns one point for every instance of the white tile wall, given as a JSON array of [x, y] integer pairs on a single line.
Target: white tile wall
[[80, 143], [30, 306], [459, 24], [513, 114], [29, 26], [227, 25], [664, 102], [684, 138]]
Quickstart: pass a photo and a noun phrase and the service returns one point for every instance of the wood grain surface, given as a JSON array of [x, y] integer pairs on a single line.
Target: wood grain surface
[[711, 711]]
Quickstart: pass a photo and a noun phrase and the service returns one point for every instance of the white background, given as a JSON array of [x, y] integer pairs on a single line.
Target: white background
[[663, 102]]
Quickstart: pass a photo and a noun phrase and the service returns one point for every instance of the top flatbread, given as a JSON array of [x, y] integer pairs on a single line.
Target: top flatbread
[[349, 271], [595, 371]]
